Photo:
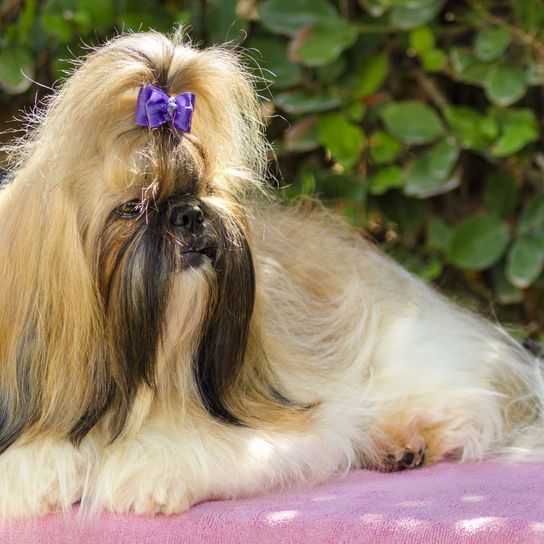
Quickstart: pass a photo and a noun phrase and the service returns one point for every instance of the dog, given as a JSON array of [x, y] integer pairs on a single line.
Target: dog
[[169, 334]]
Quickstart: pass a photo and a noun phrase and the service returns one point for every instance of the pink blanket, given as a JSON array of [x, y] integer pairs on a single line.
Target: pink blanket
[[448, 503]]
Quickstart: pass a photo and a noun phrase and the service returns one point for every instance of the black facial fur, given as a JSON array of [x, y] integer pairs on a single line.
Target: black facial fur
[[224, 341], [139, 257], [135, 279], [138, 261]]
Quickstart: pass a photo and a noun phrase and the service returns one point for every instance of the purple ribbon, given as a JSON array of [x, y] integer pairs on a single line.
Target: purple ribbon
[[154, 108]]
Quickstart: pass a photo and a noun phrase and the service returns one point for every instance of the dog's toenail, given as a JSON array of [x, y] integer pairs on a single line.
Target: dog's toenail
[[408, 458]]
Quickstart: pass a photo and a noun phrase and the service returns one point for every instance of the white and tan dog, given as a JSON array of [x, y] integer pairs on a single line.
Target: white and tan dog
[[168, 336]]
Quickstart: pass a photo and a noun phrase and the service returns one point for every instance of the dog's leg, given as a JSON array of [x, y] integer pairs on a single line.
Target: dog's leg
[[167, 467], [43, 476], [410, 456]]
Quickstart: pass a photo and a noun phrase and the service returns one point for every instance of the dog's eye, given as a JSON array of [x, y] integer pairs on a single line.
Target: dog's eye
[[129, 209]]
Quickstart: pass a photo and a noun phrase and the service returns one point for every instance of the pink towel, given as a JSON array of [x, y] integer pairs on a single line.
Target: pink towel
[[449, 503]]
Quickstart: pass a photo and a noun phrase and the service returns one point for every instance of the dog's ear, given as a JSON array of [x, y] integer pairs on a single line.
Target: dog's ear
[[53, 369], [222, 350], [231, 369]]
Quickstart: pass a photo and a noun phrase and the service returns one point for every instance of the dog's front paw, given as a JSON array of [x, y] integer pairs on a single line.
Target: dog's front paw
[[149, 496], [412, 456], [38, 478]]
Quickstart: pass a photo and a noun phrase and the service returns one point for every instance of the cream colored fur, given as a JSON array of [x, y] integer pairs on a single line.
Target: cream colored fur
[[387, 363]]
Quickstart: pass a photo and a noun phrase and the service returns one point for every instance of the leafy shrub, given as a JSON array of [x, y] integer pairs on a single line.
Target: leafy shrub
[[417, 119]]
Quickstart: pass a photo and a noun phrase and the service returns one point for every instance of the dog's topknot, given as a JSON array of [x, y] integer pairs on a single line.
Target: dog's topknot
[[87, 120]]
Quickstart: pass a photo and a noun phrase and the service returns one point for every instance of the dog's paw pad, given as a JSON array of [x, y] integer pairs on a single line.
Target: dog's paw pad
[[404, 459]]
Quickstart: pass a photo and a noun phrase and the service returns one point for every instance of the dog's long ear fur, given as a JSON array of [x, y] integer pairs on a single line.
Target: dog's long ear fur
[[52, 368]]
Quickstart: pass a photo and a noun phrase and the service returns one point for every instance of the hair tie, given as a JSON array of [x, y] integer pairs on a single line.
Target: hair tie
[[154, 108]]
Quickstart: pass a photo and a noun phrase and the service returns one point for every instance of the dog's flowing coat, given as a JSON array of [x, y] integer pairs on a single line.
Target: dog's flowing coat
[[166, 336]]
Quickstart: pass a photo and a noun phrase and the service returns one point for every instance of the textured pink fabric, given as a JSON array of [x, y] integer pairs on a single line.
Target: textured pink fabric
[[484, 503]]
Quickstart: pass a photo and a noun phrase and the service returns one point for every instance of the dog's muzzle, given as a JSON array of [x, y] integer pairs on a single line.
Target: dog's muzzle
[[187, 219]]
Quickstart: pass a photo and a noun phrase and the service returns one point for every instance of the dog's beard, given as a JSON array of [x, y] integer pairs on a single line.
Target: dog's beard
[[138, 261]]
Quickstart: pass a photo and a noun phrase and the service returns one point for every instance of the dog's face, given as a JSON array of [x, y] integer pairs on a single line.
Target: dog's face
[[155, 252], [125, 257]]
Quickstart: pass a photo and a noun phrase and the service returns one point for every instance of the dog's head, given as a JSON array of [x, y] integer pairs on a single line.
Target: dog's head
[[125, 261]]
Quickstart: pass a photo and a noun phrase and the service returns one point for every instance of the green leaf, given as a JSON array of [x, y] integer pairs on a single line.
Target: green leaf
[[478, 242], [534, 74], [290, 16], [222, 21], [339, 186], [532, 216], [273, 60], [469, 69], [368, 75], [471, 129], [383, 148], [20, 30], [389, 177], [57, 18], [491, 43], [525, 261], [344, 139], [323, 42], [529, 14], [353, 212], [429, 269], [505, 291], [506, 84], [140, 15], [438, 234], [305, 182], [501, 195], [299, 102], [302, 136], [421, 40], [434, 60], [431, 172], [355, 111], [15, 62], [331, 73], [411, 4], [375, 8], [412, 122], [408, 15], [407, 213], [517, 129], [95, 15]]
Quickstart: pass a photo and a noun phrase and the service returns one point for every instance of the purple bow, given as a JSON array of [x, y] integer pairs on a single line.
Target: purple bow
[[154, 108]]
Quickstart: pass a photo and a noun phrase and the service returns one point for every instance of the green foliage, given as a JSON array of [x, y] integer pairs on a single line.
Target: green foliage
[[478, 242], [412, 122], [419, 120]]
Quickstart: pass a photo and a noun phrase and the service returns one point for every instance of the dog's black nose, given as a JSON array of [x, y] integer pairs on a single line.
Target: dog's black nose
[[189, 216]]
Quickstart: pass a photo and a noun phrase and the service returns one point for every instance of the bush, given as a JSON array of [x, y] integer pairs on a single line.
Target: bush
[[419, 120]]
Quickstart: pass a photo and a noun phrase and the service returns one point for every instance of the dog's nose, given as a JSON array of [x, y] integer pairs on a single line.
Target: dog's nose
[[189, 216]]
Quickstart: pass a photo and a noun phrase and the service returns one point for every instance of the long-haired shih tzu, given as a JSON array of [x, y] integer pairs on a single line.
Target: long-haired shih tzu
[[168, 335]]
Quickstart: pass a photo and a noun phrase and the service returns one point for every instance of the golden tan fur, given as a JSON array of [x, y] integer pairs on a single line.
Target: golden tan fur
[[133, 381]]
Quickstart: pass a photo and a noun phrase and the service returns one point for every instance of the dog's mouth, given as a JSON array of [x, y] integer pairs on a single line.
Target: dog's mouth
[[196, 257]]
